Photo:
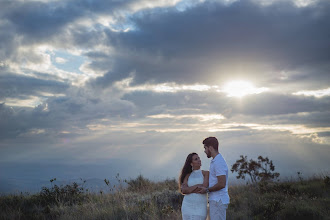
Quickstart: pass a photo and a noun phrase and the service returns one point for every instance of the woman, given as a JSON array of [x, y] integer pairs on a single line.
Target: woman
[[194, 205]]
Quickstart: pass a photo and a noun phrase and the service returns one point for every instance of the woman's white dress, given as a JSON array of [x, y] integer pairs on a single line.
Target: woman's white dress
[[194, 205]]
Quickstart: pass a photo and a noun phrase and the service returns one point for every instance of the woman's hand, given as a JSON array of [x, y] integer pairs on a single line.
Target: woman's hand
[[201, 190], [197, 188], [190, 189]]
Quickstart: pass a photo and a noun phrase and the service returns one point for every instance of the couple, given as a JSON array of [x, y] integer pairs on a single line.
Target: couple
[[195, 184]]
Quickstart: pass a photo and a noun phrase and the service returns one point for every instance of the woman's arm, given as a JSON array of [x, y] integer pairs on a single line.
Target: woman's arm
[[206, 178], [185, 189]]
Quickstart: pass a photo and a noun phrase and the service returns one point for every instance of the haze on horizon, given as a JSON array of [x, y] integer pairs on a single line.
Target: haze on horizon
[[92, 88]]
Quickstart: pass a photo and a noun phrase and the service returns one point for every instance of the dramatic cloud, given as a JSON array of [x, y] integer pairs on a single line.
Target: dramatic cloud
[[215, 42], [134, 86]]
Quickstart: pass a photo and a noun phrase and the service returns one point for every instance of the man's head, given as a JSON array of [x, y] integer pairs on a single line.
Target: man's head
[[211, 145]]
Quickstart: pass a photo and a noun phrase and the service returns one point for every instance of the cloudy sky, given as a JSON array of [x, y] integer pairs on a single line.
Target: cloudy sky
[[92, 88]]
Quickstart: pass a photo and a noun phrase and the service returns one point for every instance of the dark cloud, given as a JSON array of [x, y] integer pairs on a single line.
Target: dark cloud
[[324, 134], [28, 23], [310, 119], [172, 45], [213, 41], [265, 104], [40, 20], [274, 104], [239, 40], [56, 114], [14, 85], [8, 44]]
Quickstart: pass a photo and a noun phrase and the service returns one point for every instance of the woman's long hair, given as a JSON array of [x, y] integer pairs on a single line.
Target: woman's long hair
[[186, 169]]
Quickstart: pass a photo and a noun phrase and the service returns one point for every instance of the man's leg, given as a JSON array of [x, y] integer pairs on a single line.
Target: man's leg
[[217, 210]]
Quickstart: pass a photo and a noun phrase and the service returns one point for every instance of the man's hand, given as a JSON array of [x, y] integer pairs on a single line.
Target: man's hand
[[201, 190]]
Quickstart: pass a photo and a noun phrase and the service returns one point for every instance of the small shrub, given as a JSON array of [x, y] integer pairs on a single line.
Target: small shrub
[[260, 170], [138, 184], [327, 181], [67, 195]]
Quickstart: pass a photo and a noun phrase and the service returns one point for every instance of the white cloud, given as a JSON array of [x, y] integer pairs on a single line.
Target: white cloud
[[211, 123], [232, 89], [35, 59], [298, 3], [304, 3], [37, 131], [30, 101], [143, 4], [202, 117], [47, 94], [315, 138], [60, 60], [172, 87], [316, 93]]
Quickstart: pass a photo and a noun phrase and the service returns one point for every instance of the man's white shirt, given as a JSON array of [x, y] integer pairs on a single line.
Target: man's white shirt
[[218, 167]]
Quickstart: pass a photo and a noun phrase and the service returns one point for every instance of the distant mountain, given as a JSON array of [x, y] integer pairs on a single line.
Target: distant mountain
[[16, 186], [31, 177]]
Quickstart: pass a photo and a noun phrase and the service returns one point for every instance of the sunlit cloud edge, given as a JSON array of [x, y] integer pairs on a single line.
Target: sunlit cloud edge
[[316, 93]]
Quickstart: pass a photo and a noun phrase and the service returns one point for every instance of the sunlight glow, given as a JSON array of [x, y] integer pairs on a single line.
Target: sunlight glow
[[241, 88]]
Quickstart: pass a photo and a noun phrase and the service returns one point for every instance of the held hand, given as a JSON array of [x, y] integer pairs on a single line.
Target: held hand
[[195, 190], [201, 190]]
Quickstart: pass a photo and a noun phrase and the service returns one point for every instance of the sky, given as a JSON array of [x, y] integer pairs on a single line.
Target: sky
[[92, 88]]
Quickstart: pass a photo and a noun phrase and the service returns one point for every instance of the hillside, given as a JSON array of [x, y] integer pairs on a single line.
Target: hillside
[[144, 199]]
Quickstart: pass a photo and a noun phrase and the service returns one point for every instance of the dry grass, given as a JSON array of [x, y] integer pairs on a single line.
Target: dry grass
[[144, 199]]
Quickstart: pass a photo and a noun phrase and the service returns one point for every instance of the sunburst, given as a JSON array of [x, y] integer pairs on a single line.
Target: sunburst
[[240, 88]]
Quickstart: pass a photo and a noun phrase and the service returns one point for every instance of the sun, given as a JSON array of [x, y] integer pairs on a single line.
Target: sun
[[240, 88]]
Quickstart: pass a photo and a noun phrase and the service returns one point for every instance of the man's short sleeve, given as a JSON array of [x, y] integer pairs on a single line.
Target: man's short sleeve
[[221, 168]]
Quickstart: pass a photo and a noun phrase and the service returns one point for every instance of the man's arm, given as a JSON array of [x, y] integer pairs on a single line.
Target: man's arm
[[220, 185]]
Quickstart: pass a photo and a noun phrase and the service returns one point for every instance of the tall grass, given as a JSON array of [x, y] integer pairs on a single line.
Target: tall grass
[[145, 199], [303, 199], [141, 199]]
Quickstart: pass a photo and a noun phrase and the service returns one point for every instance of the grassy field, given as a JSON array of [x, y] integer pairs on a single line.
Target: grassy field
[[144, 199]]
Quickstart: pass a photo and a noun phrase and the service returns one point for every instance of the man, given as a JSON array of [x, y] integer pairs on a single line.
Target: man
[[218, 180]]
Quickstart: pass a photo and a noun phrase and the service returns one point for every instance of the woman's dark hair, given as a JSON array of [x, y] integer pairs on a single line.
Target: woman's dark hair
[[186, 169], [211, 141]]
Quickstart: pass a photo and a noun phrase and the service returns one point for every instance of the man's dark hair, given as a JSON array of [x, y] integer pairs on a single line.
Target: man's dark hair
[[211, 141]]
